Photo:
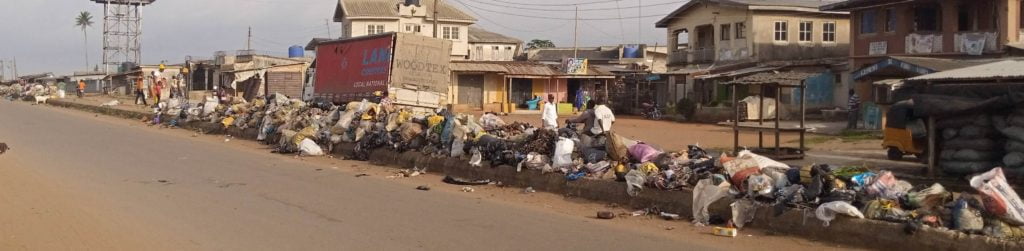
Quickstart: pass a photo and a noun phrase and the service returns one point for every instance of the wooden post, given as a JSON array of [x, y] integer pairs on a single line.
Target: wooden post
[[778, 90], [760, 116], [803, 112], [931, 147], [735, 124]]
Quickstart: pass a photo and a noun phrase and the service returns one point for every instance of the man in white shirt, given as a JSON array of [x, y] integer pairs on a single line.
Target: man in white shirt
[[549, 114]]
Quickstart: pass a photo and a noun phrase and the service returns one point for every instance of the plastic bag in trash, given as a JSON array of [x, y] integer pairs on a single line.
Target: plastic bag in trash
[[476, 158], [999, 198], [563, 153], [704, 194], [743, 211], [827, 212], [643, 152], [309, 148], [966, 218], [635, 181], [932, 196], [886, 186], [759, 185]]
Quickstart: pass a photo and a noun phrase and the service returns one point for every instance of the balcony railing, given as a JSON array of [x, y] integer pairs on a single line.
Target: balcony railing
[[692, 56]]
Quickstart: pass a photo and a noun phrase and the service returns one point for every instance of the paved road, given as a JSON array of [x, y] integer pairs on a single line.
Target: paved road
[[77, 181]]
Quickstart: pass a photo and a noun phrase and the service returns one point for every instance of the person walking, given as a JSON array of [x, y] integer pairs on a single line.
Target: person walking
[[157, 90], [140, 93], [853, 105], [549, 114]]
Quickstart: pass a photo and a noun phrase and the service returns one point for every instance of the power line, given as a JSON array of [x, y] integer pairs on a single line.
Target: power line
[[570, 10], [558, 4], [554, 18], [506, 27]]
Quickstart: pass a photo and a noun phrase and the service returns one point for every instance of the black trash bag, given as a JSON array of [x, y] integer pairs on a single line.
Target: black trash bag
[[593, 155], [465, 182], [695, 152], [372, 140]]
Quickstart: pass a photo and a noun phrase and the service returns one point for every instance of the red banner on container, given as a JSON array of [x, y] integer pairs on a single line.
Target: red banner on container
[[351, 70]]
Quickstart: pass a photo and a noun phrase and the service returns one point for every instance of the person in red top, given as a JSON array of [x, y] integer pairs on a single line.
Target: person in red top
[[156, 90]]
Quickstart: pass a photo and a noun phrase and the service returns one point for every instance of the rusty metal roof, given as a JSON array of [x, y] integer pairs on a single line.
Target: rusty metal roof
[[523, 68], [1007, 69], [788, 78]]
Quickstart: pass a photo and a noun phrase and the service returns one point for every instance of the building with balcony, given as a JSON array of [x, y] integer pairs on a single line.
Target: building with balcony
[[714, 41], [369, 17], [895, 40]]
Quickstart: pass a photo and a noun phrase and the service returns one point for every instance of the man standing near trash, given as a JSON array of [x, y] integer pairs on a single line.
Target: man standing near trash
[[853, 105], [549, 115], [140, 93]]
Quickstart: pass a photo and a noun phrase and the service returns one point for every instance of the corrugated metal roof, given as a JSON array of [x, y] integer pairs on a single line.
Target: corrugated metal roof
[[479, 35], [389, 8], [1007, 69], [557, 54], [788, 78], [520, 68], [478, 67], [737, 73], [944, 64], [812, 4]]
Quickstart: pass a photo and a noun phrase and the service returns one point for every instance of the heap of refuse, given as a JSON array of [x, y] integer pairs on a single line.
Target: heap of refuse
[[27, 92], [753, 182]]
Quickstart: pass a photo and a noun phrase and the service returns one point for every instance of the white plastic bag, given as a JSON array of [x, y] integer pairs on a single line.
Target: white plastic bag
[[458, 148], [827, 212], [743, 211], [310, 148], [635, 181], [704, 194], [1000, 199], [476, 159], [563, 152]]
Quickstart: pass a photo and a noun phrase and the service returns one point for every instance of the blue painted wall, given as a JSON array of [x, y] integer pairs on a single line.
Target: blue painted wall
[[820, 90]]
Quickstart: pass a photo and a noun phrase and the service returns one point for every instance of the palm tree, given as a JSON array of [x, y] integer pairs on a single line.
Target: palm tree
[[84, 21]]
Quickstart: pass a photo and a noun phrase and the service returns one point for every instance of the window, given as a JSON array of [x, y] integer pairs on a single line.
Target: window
[[927, 18], [867, 22], [890, 20], [806, 27], [451, 33], [495, 48], [741, 30], [828, 32], [781, 31], [725, 32], [374, 29], [508, 48], [412, 28]]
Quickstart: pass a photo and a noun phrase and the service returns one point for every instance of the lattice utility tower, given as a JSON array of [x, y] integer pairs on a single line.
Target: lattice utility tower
[[122, 31]]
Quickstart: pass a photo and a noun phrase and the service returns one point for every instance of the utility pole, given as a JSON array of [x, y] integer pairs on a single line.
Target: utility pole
[[248, 42], [3, 71], [639, 22], [576, 34], [328, 24], [435, 18], [15, 67]]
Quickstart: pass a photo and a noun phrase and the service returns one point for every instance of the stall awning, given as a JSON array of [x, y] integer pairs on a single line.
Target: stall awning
[[892, 83]]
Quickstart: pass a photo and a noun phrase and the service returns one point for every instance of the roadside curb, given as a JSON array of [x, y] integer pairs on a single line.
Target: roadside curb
[[795, 222]]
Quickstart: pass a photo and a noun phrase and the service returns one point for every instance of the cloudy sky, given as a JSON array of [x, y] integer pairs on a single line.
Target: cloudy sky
[[42, 35]]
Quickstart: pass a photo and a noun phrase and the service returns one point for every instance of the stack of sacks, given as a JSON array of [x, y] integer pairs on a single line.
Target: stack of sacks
[[1012, 127], [969, 144]]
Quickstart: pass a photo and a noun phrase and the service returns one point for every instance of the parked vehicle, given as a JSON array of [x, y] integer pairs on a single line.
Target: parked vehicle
[[413, 69], [904, 134], [651, 111]]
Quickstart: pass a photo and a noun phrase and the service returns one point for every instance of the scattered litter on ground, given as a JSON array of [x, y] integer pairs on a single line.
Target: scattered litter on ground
[[465, 182], [361, 175], [468, 189], [605, 215], [423, 188]]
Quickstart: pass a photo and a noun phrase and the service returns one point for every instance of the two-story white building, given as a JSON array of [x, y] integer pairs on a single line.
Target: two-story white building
[[368, 17]]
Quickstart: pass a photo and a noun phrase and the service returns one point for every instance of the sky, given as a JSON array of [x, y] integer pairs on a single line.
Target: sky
[[42, 36]]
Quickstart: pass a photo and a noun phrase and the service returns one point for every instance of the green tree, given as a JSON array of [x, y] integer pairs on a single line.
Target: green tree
[[540, 43], [84, 21]]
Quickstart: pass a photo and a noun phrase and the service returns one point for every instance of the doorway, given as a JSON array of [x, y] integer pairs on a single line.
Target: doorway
[[471, 90]]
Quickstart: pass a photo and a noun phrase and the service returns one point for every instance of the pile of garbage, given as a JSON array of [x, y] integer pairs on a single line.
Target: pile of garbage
[[753, 182], [27, 92]]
